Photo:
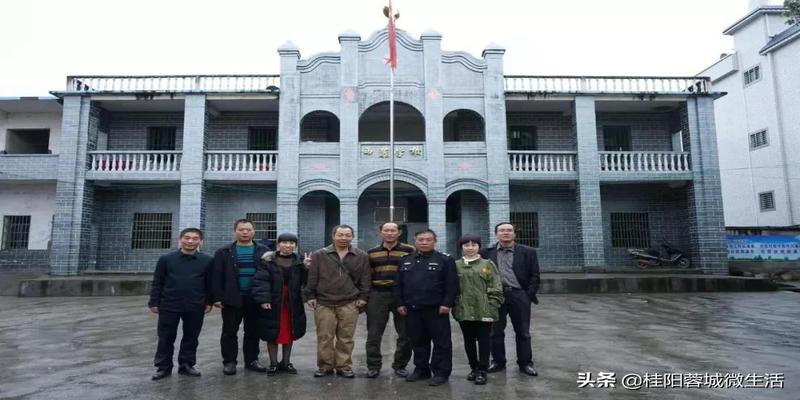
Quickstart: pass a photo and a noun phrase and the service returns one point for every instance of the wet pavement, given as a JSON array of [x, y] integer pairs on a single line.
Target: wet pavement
[[102, 348]]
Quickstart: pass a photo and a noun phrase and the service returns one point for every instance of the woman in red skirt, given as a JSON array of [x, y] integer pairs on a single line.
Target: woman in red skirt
[[277, 288]]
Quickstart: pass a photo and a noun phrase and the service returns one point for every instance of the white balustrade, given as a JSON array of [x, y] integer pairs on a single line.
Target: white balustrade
[[135, 161], [650, 161], [174, 83], [241, 161], [607, 84], [542, 161]]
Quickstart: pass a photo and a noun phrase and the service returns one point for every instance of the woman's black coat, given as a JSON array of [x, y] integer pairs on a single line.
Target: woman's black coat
[[268, 288]]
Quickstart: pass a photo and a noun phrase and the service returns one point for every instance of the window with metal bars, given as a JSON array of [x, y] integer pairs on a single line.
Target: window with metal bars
[[262, 138], [526, 226], [16, 230], [752, 75], [630, 230], [766, 201], [758, 140], [161, 138], [522, 138], [265, 225], [152, 231]]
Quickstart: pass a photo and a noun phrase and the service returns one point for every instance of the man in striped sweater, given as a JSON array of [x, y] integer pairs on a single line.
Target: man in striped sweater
[[384, 261]]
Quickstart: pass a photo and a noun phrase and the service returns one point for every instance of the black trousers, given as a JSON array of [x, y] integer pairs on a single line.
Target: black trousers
[[426, 325], [517, 306], [168, 331], [476, 332], [232, 317]]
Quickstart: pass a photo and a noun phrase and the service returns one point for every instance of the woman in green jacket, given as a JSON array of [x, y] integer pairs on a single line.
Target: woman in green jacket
[[477, 305]]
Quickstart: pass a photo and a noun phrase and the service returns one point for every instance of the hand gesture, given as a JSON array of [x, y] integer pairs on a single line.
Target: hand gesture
[[307, 259]]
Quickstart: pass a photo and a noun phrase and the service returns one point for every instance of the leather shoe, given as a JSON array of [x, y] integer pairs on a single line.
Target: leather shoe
[[529, 370], [229, 369], [481, 378], [272, 369], [256, 366], [161, 374], [437, 381], [418, 375], [287, 367], [401, 372], [495, 367], [472, 375], [373, 373], [346, 373], [321, 373], [188, 370]]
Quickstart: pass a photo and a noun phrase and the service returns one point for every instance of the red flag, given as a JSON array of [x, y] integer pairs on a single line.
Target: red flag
[[392, 60]]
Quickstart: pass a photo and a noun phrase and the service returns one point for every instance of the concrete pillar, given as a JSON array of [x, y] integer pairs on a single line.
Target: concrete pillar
[[74, 196], [348, 130], [590, 213], [288, 140], [496, 139], [434, 131], [706, 220], [192, 198]]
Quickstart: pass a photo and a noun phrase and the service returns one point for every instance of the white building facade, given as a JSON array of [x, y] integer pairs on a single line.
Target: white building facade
[[758, 122]]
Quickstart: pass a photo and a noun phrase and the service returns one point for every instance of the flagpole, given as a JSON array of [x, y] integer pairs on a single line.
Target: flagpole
[[391, 127]]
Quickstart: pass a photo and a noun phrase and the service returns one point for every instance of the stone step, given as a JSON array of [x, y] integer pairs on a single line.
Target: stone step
[[552, 283]]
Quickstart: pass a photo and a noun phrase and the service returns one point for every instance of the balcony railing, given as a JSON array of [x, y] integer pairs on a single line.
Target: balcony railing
[[651, 161], [135, 161], [607, 84], [174, 83], [241, 161], [542, 161]]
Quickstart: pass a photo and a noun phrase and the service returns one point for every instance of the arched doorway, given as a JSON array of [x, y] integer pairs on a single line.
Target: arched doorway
[[467, 211], [411, 211], [317, 214], [409, 124]]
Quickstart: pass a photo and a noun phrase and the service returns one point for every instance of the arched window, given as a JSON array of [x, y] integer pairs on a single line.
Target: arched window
[[464, 126], [319, 126]]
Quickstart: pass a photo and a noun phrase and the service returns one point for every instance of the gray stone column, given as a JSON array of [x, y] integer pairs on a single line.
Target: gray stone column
[[496, 137], [72, 226], [706, 220], [192, 211], [590, 214], [348, 131], [434, 135], [288, 139]]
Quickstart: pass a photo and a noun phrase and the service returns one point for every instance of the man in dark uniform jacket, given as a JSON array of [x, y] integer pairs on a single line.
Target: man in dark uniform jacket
[[180, 292], [426, 290], [519, 272]]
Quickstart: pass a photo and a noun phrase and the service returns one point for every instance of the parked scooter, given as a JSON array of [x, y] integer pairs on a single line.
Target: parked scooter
[[668, 256]]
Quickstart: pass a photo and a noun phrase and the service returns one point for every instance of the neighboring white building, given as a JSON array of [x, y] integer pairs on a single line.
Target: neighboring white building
[[758, 122]]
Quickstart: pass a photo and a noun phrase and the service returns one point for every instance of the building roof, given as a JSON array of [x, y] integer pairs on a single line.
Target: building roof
[[753, 15], [781, 39], [29, 104]]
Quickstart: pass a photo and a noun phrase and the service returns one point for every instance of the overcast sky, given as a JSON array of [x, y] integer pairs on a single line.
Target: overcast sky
[[43, 41]]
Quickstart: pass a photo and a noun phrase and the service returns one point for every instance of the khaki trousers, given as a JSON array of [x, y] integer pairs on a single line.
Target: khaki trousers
[[336, 326]]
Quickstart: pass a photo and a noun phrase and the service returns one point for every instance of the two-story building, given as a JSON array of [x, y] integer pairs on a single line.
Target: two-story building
[[584, 166]]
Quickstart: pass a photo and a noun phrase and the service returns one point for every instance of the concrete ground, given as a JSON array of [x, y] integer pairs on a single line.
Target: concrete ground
[[102, 348]]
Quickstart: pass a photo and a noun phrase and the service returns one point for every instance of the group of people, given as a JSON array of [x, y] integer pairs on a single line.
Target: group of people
[[264, 286]]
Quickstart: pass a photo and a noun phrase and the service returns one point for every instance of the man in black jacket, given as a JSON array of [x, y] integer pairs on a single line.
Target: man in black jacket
[[426, 290], [232, 275], [519, 272], [180, 293]]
